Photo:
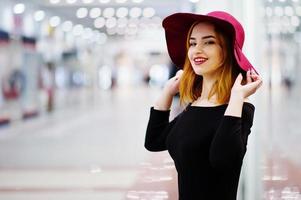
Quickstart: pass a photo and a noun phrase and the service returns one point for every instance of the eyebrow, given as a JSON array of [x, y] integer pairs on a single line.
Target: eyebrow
[[205, 37]]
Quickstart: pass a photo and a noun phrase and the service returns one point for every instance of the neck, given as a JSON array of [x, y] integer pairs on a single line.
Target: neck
[[207, 85]]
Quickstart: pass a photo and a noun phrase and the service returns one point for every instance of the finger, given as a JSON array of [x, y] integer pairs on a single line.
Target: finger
[[249, 79], [256, 77], [253, 86], [259, 85], [179, 72], [254, 72], [238, 79]]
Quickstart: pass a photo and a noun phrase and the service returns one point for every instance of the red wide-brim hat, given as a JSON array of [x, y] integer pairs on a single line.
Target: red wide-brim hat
[[177, 26]]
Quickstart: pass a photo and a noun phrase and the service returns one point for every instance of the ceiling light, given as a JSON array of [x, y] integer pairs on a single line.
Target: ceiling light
[[149, 12], [99, 22], [133, 22], [104, 1], [137, 1], [67, 26], [19, 8], [194, 1], [88, 33], [121, 1], [289, 11], [54, 1], [71, 1], [111, 22], [87, 1], [95, 12], [108, 12], [122, 12], [122, 22], [144, 21], [54, 21], [77, 29], [279, 11], [135, 12], [82, 12], [39, 15], [112, 31]]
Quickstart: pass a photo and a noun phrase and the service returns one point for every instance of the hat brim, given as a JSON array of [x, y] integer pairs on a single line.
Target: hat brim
[[176, 29], [242, 60]]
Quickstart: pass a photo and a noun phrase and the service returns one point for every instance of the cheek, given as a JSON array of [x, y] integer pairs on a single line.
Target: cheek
[[189, 53], [218, 54]]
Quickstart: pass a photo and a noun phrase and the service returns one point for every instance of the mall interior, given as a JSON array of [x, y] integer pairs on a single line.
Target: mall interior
[[78, 78]]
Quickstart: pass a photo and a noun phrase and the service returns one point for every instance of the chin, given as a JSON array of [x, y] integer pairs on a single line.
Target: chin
[[198, 72], [201, 71]]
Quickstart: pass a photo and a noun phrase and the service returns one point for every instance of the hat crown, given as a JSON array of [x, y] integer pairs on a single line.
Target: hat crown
[[239, 31]]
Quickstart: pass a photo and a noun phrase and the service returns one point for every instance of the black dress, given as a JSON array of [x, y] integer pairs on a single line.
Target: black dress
[[206, 146]]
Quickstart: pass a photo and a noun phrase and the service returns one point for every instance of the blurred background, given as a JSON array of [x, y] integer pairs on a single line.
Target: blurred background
[[78, 78]]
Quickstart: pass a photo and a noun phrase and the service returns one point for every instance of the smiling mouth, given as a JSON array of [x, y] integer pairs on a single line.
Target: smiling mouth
[[199, 60]]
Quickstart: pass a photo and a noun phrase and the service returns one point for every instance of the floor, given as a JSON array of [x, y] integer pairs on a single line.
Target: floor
[[94, 150]]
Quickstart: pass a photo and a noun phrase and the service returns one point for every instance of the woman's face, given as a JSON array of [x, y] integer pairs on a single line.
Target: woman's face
[[205, 52]]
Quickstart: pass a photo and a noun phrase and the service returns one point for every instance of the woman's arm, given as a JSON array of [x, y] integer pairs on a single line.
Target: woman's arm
[[158, 125], [164, 102], [229, 144], [157, 130]]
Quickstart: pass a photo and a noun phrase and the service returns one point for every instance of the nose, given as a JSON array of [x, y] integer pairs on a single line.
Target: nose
[[199, 48]]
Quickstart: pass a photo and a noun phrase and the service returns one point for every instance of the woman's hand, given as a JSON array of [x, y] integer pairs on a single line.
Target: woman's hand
[[254, 81], [240, 92], [170, 89], [172, 85]]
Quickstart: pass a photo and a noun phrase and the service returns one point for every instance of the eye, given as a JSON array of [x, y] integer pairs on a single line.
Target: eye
[[192, 44], [209, 42]]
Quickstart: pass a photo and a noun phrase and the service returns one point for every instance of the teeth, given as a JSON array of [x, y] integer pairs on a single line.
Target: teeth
[[200, 59]]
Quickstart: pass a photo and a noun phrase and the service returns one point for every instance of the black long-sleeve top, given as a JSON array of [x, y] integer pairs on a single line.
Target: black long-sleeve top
[[207, 148]]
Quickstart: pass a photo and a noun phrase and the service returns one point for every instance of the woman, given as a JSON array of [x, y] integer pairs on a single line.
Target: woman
[[208, 140]]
